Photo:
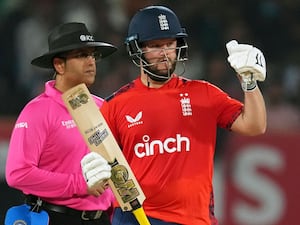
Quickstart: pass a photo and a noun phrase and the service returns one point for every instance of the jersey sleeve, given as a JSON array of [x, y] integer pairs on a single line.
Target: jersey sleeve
[[226, 107]]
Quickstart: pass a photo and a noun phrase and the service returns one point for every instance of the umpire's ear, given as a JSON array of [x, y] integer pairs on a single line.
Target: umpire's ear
[[59, 65]]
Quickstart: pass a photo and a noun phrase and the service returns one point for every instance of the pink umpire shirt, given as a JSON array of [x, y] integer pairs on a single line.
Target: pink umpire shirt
[[45, 152]]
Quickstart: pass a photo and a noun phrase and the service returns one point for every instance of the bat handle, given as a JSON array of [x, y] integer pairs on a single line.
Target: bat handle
[[140, 216]]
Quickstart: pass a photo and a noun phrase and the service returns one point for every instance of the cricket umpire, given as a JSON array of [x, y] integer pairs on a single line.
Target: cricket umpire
[[48, 159]]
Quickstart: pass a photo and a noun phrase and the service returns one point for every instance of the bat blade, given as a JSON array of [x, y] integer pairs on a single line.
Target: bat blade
[[100, 139]]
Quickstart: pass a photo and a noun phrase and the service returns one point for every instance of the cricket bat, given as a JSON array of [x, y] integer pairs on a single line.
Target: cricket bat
[[100, 139]]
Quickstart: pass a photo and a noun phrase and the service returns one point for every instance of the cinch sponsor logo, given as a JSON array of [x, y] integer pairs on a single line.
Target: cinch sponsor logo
[[21, 125], [170, 145], [68, 124]]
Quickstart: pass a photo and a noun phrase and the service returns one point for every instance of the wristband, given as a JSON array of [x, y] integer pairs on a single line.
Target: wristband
[[248, 82]]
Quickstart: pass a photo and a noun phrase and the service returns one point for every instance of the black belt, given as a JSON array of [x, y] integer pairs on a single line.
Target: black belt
[[84, 215]]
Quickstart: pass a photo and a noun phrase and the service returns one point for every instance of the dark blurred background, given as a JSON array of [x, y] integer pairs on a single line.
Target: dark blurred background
[[271, 25]]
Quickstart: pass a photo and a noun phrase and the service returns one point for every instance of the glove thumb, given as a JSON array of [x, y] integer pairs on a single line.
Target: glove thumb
[[231, 45], [234, 47]]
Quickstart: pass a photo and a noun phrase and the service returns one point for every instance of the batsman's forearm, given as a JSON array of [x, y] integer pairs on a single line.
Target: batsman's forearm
[[253, 119], [255, 111]]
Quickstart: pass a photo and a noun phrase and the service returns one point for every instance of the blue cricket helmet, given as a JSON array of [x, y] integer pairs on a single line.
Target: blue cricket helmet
[[154, 22]]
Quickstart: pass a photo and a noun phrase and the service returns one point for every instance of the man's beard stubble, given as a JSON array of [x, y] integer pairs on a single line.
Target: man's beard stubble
[[158, 75]]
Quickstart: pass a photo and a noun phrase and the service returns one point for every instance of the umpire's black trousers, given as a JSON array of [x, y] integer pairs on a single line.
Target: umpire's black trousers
[[56, 218]]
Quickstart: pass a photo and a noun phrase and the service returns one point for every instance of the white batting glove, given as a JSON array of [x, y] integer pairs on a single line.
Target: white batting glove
[[95, 168], [248, 61]]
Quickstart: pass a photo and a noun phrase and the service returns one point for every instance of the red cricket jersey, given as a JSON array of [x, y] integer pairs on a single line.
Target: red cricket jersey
[[168, 136]]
